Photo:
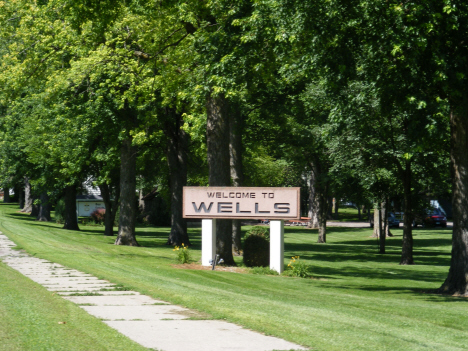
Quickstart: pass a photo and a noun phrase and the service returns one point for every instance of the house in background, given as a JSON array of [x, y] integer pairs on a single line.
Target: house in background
[[86, 204]]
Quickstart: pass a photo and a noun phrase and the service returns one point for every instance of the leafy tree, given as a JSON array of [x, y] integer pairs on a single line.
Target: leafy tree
[[354, 48]]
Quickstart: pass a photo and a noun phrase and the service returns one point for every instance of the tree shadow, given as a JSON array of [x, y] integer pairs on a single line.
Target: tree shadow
[[361, 250], [427, 294], [22, 216], [389, 274]]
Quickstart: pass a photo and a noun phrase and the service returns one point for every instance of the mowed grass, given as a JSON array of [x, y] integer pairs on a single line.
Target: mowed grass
[[32, 318], [357, 299], [350, 214]]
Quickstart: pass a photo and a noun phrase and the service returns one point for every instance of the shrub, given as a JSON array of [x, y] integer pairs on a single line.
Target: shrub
[[260, 231], [297, 268], [60, 211], [257, 248], [117, 217], [98, 215], [182, 254]]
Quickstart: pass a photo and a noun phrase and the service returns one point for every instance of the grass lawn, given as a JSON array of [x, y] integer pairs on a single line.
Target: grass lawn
[[350, 214], [33, 318], [357, 300]]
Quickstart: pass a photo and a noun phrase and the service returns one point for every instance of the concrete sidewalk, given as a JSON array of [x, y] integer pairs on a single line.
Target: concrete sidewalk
[[152, 323]]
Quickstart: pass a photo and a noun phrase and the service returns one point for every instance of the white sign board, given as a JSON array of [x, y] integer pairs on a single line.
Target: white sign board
[[241, 202]]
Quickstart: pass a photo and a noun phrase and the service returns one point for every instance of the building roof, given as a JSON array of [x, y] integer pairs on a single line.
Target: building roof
[[89, 198], [90, 188]]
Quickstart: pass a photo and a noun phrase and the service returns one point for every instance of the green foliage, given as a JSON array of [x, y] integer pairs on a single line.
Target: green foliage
[[60, 211], [182, 254], [257, 248], [259, 231], [297, 268]]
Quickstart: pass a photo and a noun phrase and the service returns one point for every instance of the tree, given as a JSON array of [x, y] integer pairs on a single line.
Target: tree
[[365, 46], [237, 173], [44, 208], [177, 153], [126, 234], [217, 142]]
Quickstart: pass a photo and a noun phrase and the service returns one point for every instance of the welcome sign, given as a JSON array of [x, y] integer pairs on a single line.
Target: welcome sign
[[241, 202]]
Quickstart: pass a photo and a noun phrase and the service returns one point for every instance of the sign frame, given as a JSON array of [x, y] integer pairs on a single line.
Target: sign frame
[[293, 191]]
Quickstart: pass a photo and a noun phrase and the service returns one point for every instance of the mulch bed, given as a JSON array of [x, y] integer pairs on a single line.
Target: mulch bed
[[199, 267]]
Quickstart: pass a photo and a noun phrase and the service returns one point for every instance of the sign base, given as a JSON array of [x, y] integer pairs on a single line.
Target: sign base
[[276, 243], [208, 241]]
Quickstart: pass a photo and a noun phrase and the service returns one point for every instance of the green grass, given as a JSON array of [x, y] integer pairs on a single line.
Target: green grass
[[357, 299], [350, 214], [33, 318]]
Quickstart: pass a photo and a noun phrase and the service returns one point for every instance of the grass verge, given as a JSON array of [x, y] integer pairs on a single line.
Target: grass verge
[[33, 318]]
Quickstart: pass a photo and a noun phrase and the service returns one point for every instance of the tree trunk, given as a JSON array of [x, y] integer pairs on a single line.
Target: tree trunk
[[337, 206], [115, 208], [457, 279], [323, 212], [111, 207], [383, 226], [176, 151], [388, 233], [44, 208], [384, 218], [21, 197], [237, 173], [330, 207], [319, 202], [126, 235], [108, 226], [314, 201], [217, 140], [35, 208], [141, 202], [28, 199], [71, 220], [359, 212], [6, 195], [376, 232], [407, 245]]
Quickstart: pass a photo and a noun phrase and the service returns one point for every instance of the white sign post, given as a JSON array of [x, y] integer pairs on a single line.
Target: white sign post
[[275, 204], [277, 245], [208, 241]]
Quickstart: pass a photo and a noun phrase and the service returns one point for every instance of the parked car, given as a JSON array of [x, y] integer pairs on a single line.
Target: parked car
[[391, 220], [431, 218]]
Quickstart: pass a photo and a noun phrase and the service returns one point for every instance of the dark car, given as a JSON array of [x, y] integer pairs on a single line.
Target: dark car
[[391, 220], [431, 218]]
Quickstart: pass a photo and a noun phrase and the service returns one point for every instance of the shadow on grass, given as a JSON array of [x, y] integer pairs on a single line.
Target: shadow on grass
[[154, 232], [355, 249], [429, 249], [391, 273], [428, 295], [23, 216]]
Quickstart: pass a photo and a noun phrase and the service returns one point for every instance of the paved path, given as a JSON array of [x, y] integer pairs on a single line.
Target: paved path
[[151, 323]]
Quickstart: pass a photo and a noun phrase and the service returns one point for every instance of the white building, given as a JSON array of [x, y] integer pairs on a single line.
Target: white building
[[86, 204]]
